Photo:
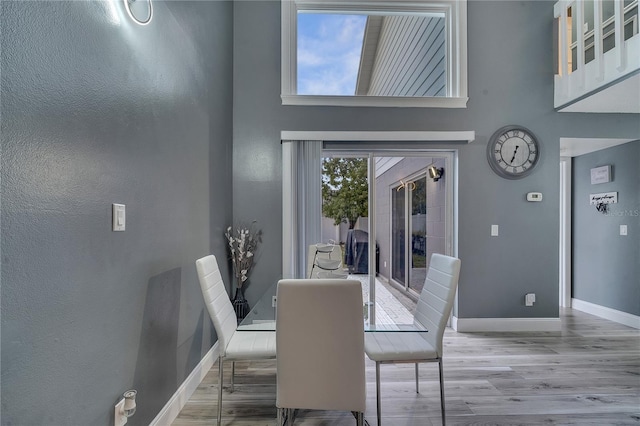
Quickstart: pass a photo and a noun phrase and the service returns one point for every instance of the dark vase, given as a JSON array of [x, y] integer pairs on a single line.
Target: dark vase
[[240, 305]]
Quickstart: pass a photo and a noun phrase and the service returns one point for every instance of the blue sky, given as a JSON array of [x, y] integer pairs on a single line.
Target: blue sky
[[329, 48]]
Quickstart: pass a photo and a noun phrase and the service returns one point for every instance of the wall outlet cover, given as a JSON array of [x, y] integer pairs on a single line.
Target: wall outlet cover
[[529, 299]]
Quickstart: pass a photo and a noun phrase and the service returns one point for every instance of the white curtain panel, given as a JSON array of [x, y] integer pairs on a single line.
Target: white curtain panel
[[301, 203]]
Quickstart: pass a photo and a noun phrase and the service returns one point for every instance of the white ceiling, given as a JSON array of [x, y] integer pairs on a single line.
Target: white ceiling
[[572, 147], [623, 96]]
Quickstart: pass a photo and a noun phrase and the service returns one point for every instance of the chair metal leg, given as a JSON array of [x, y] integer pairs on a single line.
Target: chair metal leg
[[360, 418], [233, 373], [279, 421], [444, 422], [378, 393], [417, 385], [219, 391]]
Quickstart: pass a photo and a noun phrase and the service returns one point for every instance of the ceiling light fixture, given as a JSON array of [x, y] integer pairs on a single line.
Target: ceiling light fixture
[[141, 11]]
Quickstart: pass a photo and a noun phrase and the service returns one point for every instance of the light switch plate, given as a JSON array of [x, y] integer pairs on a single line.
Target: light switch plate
[[623, 229], [494, 230], [119, 217]]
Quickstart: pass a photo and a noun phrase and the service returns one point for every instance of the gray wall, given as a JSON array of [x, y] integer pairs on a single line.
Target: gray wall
[[99, 110], [510, 57], [606, 265]]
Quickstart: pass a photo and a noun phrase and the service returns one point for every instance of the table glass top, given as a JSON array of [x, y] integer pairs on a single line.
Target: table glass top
[[262, 317]]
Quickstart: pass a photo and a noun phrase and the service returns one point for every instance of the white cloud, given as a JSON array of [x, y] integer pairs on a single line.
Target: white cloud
[[329, 48]]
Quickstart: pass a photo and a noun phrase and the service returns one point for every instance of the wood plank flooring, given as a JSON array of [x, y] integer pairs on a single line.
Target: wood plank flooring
[[586, 374]]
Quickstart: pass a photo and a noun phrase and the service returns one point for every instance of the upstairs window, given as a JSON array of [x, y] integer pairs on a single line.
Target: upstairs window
[[375, 53]]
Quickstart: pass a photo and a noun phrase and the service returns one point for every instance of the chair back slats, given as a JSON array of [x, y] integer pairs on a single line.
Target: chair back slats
[[437, 296], [320, 345], [217, 300]]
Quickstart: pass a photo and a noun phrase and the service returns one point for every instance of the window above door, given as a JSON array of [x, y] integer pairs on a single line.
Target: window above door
[[374, 53]]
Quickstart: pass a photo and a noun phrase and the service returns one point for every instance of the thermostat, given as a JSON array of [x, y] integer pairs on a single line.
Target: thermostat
[[534, 196]]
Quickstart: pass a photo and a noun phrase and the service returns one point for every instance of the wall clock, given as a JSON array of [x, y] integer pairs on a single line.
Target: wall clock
[[513, 152]]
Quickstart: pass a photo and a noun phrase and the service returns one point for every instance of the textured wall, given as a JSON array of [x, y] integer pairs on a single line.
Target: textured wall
[[606, 265], [510, 82], [99, 110]]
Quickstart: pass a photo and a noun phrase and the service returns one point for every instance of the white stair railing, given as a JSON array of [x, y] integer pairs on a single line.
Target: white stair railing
[[597, 45]]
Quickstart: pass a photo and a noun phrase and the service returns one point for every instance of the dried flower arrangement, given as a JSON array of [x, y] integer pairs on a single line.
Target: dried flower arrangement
[[243, 242]]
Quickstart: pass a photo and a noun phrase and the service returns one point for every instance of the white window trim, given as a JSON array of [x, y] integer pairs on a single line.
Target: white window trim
[[456, 13]]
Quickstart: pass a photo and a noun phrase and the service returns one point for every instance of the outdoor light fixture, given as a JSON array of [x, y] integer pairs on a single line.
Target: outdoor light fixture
[[435, 173], [408, 184], [140, 11]]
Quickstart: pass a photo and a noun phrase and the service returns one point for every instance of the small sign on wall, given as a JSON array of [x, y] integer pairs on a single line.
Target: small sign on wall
[[601, 174], [603, 198]]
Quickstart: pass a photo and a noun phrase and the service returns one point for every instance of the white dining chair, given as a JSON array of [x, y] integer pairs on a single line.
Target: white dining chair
[[320, 347], [324, 261], [432, 312], [232, 345]]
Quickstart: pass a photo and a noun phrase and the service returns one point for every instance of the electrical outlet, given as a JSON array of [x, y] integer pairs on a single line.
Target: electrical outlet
[[273, 301], [119, 418], [529, 299]]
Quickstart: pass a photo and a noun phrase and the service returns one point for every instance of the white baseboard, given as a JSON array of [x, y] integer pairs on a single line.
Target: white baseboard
[[606, 313], [471, 325], [172, 408]]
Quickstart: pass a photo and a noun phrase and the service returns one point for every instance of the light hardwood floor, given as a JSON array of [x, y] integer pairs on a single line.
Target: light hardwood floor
[[587, 374]]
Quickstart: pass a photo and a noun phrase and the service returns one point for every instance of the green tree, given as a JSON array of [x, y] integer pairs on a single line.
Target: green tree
[[345, 190]]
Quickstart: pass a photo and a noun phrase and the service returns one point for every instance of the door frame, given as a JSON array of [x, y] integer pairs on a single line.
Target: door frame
[[564, 296], [447, 138]]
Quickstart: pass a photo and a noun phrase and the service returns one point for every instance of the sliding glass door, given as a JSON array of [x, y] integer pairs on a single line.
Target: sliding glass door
[[398, 232], [409, 218], [417, 246], [402, 217]]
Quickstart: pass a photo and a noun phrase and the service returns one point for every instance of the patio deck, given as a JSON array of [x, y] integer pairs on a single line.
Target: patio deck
[[389, 310]]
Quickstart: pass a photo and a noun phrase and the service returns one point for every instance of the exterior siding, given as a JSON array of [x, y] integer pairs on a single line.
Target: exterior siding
[[410, 60]]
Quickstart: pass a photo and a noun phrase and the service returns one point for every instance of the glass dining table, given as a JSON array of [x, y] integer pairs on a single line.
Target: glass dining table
[[262, 317]]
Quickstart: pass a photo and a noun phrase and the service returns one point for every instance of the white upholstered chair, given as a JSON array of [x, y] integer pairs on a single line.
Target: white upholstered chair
[[325, 261], [320, 347], [432, 312], [232, 345]]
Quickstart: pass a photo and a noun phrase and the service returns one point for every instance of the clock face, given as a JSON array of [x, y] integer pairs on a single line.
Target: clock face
[[513, 152]]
